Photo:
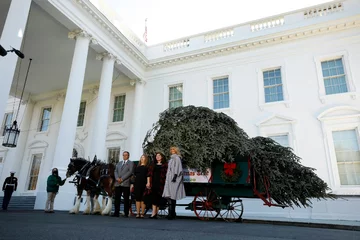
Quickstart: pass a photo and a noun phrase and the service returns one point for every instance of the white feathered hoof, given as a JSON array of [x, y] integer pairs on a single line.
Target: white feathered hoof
[[87, 210], [76, 208], [108, 208], [97, 208]]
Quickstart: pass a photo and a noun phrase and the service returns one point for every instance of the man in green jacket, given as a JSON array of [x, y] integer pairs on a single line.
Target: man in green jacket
[[53, 183]]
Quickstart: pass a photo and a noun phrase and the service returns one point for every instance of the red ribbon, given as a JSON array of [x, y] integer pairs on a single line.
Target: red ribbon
[[229, 168]]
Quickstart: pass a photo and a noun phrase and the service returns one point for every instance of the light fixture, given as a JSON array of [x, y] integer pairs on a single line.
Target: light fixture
[[12, 134], [4, 52]]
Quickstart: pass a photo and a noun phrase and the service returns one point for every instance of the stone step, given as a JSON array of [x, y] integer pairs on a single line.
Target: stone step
[[21, 202]]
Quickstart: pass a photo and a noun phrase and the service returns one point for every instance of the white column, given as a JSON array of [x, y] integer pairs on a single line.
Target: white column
[[100, 121], [67, 130], [12, 36], [136, 138]]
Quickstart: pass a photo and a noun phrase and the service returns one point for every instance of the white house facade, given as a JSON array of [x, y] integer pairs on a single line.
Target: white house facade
[[95, 88]]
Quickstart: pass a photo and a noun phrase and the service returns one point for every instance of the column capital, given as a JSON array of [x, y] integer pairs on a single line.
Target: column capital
[[102, 56], [137, 81], [94, 90], [81, 33], [60, 96]]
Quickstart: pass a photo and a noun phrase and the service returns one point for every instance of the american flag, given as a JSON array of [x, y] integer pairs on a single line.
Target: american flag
[[145, 33]]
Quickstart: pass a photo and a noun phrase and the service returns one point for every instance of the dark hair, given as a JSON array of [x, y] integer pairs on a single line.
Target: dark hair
[[127, 153], [163, 160]]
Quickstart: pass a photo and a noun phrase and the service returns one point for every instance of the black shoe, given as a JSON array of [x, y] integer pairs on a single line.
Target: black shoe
[[125, 216], [115, 215]]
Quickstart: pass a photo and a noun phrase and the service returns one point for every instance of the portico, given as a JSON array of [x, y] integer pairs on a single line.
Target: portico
[[74, 86]]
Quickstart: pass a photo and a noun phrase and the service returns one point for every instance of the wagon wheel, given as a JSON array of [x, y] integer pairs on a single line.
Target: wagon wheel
[[233, 211], [207, 204]]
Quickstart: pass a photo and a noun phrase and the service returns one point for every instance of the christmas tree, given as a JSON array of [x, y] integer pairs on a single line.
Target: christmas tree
[[205, 136]]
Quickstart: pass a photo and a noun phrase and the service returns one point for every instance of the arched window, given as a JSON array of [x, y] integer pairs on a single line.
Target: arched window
[[74, 153]]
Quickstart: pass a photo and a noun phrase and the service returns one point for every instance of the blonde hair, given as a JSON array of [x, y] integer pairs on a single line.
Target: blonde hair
[[146, 161], [176, 150]]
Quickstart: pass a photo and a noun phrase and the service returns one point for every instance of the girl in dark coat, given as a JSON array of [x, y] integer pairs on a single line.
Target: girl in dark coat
[[157, 176]]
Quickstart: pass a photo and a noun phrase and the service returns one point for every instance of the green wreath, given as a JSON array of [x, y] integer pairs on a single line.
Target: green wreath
[[232, 178]]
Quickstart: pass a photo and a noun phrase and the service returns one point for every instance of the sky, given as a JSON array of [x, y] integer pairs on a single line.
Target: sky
[[172, 19]]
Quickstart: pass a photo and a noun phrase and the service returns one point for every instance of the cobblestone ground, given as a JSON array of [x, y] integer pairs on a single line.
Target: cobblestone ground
[[31, 225]]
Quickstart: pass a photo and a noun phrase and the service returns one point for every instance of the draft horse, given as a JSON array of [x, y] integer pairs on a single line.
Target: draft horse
[[94, 177]]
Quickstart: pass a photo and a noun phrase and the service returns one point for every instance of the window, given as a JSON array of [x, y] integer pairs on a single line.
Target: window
[[81, 116], [34, 171], [347, 156], [283, 140], [175, 96], [119, 107], [221, 93], [6, 123], [45, 119], [273, 87], [113, 155], [334, 76]]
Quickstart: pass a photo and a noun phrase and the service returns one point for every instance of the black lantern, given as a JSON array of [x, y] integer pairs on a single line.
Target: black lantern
[[11, 136]]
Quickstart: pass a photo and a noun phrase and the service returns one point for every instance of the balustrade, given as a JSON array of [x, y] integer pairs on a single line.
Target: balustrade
[[323, 11]]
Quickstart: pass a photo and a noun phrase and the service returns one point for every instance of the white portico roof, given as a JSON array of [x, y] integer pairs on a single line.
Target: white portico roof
[[46, 42]]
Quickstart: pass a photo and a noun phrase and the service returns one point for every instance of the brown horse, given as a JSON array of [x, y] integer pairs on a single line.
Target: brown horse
[[94, 177]]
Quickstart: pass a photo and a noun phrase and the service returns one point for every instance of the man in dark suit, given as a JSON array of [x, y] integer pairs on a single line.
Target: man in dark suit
[[123, 172], [9, 186]]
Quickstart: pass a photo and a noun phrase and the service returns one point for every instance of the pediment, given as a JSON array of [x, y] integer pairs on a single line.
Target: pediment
[[275, 120], [339, 112], [38, 144], [115, 136]]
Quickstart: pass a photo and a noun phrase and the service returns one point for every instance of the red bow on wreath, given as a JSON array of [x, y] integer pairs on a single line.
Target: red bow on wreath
[[229, 168]]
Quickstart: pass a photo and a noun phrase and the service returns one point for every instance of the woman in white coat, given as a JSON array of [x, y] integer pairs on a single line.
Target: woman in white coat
[[174, 186]]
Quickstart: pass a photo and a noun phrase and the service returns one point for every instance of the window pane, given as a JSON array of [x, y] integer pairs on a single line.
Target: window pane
[[273, 85], [175, 96], [113, 155], [34, 171], [334, 76], [221, 93], [347, 156], [119, 108], [283, 140], [80, 121]]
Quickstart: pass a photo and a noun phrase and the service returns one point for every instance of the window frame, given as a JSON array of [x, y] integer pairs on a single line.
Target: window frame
[[41, 119], [277, 125], [279, 135], [29, 171], [113, 108], [272, 86], [210, 83], [348, 77], [182, 94], [261, 88], [166, 92], [108, 152], [330, 121], [84, 114], [213, 94]]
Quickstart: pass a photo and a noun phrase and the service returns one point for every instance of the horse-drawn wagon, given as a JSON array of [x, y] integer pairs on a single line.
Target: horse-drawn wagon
[[219, 192]]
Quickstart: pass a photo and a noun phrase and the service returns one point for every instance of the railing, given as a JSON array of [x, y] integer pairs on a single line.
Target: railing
[[184, 43], [323, 10], [268, 23], [283, 22], [217, 35]]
